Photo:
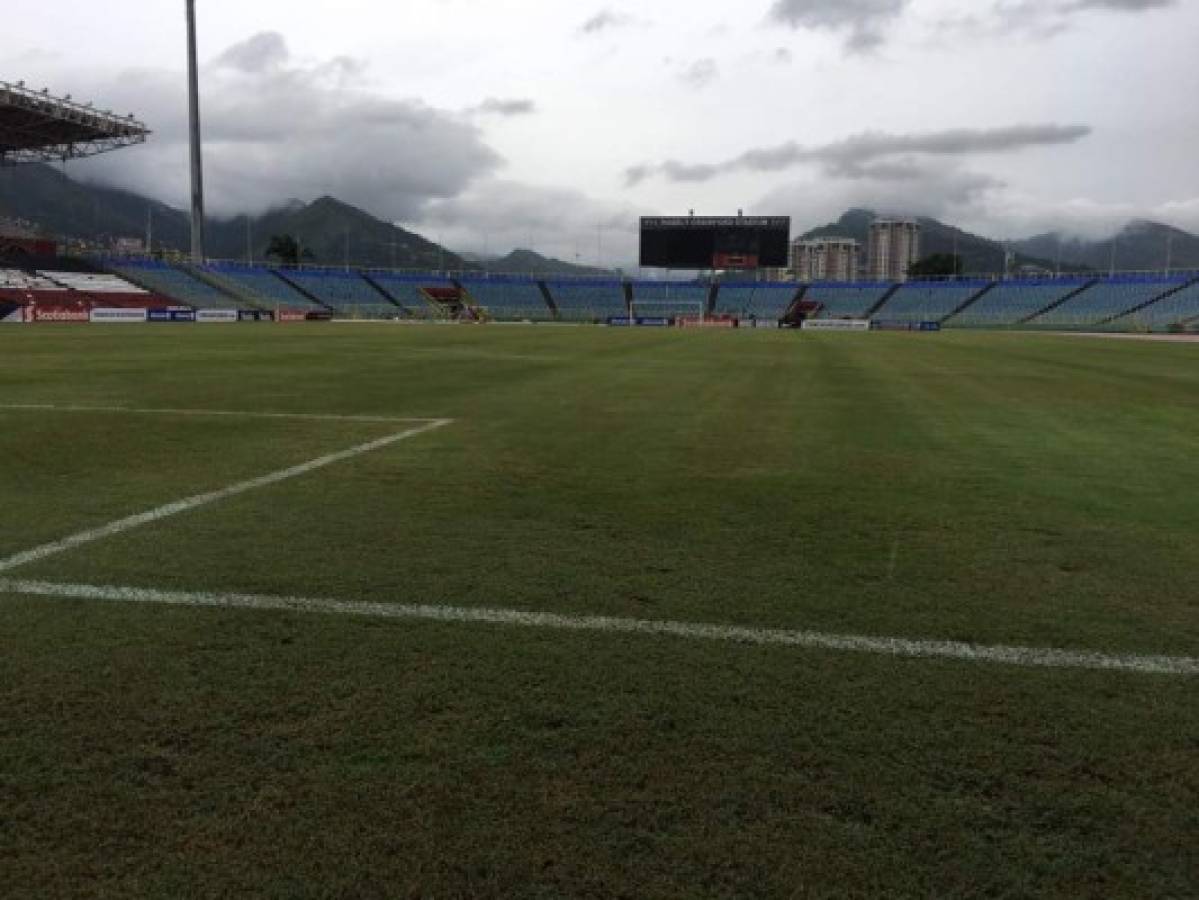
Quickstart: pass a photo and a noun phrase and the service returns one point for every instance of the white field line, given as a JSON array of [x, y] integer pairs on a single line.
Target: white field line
[[219, 413], [813, 640], [182, 506]]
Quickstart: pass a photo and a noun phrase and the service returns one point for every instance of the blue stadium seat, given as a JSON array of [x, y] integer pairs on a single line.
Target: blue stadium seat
[[846, 300], [1179, 308], [1011, 302], [927, 301], [588, 300], [173, 283], [508, 297], [405, 289], [1106, 299], [347, 292], [259, 284], [764, 299]]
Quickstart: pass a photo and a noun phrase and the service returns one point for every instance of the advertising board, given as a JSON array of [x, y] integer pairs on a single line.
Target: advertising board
[[118, 316], [216, 315], [58, 314], [697, 322], [837, 325], [640, 322], [171, 315]]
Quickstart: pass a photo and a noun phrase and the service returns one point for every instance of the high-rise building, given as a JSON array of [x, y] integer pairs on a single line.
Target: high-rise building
[[826, 259], [894, 248]]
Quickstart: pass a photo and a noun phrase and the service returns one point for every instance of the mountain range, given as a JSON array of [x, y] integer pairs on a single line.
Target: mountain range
[[340, 234], [1140, 245], [336, 233]]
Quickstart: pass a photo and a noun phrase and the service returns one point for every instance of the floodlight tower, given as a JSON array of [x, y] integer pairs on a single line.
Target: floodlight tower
[[197, 162]]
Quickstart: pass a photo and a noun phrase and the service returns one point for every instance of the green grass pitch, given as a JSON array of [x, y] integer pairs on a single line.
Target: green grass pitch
[[993, 489]]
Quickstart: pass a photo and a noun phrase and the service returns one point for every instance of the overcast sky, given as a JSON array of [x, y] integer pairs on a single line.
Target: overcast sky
[[554, 123]]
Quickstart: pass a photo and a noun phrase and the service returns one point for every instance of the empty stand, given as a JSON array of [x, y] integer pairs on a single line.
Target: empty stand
[[174, 283], [95, 283], [1178, 307], [763, 299], [20, 280], [928, 301], [1012, 302], [348, 293], [1103, 300], [588, 300], [413, 293], [847, 301], [74, 289], [259, 285], [508, 298]]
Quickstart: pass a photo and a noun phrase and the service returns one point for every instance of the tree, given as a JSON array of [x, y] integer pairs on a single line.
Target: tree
[[939, 264], [288, 250]]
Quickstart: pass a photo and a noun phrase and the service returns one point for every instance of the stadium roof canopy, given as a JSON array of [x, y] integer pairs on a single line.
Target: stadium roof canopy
[[36, 127]]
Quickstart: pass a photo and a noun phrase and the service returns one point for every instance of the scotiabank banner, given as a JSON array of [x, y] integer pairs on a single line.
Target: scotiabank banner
[[837, 325], [216, 315], [58, 314], [117, 316]]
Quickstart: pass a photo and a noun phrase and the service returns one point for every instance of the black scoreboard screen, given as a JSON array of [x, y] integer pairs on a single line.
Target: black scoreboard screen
[[696, 242]]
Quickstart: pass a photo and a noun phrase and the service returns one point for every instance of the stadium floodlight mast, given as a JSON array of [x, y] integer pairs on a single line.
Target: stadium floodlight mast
[[197, 163]]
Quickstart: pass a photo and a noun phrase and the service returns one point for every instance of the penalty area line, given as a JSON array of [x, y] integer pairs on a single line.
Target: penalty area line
[[181, 506], [1029, 657]]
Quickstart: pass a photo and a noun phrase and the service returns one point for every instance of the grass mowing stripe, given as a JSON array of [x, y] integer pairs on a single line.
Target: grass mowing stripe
[[813, 640], [226, 413], [182, 506]]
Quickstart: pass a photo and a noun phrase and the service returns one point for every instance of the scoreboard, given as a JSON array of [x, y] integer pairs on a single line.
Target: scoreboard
[[699, 242]]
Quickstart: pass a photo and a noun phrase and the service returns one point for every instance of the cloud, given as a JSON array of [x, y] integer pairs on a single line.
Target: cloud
[[942, 192], [850, 157], [862, 21], [494, 106], [865, 22], [261, 53], [1043, 18], [499, 215], [699, 74], [276, 127], [605, 20]]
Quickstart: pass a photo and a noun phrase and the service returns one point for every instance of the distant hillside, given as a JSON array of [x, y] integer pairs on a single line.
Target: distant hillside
[[528, 262], [337, 234], [63, 207], [1140, 245], [979, 254]]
